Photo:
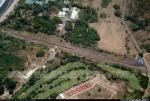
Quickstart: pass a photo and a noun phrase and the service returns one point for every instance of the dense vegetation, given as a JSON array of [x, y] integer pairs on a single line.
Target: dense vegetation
[[34, 18], [82, 33], [147, 47], [8, 61]]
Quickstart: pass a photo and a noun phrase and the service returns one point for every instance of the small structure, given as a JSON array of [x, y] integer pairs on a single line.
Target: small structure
[[74, 13], [60, 28], [69, 13], [139, 61], [52, 53], [61, 14], [38, 2], [29, 1]]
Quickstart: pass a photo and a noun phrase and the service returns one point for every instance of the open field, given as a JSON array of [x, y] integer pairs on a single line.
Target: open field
[[111, 31], [87, 3]]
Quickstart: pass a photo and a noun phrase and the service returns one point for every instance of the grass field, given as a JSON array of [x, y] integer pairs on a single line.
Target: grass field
[[134, 82], [55, 82]]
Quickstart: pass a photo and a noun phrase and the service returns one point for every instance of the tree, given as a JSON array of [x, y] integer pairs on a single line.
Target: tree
[[40, 53], [118, 13], [117, 7], [1, 89], [31, 81], [9, 84], [53, 96]]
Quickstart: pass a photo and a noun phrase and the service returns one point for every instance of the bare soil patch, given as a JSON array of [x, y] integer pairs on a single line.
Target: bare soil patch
[[111, 31]]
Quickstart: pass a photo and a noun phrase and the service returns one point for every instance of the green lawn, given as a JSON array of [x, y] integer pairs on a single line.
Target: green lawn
[[134, 82], [56, 81]]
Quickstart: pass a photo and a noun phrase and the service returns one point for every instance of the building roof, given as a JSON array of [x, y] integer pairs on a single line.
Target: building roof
[[29, 1], [74, 14], [66, 2], [2, 2], [39, 2], [65, 9], [62, 14], [139, 60]]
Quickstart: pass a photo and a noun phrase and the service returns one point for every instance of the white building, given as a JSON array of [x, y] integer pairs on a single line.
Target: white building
[[71, 14], [74, 13], [62, 14]]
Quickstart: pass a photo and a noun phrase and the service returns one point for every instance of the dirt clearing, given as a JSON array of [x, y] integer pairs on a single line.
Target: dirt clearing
[[111, 31]]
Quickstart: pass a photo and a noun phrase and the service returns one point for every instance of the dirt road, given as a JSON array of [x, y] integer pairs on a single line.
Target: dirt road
[[127, 28]]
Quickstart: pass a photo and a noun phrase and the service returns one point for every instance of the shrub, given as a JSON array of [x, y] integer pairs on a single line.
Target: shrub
[[9, 84], [118, 13], [117, 7], [134, 27], [1, 89], [103, 15], [105, 3], [147, 47], [40, 53]]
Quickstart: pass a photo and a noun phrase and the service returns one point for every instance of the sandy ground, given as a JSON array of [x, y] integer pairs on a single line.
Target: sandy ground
[[111, 31], [8, 11]]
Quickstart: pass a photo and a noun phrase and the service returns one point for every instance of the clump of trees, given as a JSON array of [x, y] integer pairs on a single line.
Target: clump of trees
[[34, 18], [8, 61], [82, 33], [9, 84], [136, 23]]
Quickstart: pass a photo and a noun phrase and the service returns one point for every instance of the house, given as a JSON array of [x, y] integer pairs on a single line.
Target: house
[[71, 14]]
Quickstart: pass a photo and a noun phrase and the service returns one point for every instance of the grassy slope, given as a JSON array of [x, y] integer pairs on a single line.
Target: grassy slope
[[132, 79], [61, 80]]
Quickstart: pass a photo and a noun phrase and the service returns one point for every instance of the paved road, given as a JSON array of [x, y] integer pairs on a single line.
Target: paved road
[[7, 8], [4, 7], [127, 28], [83, 52]]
